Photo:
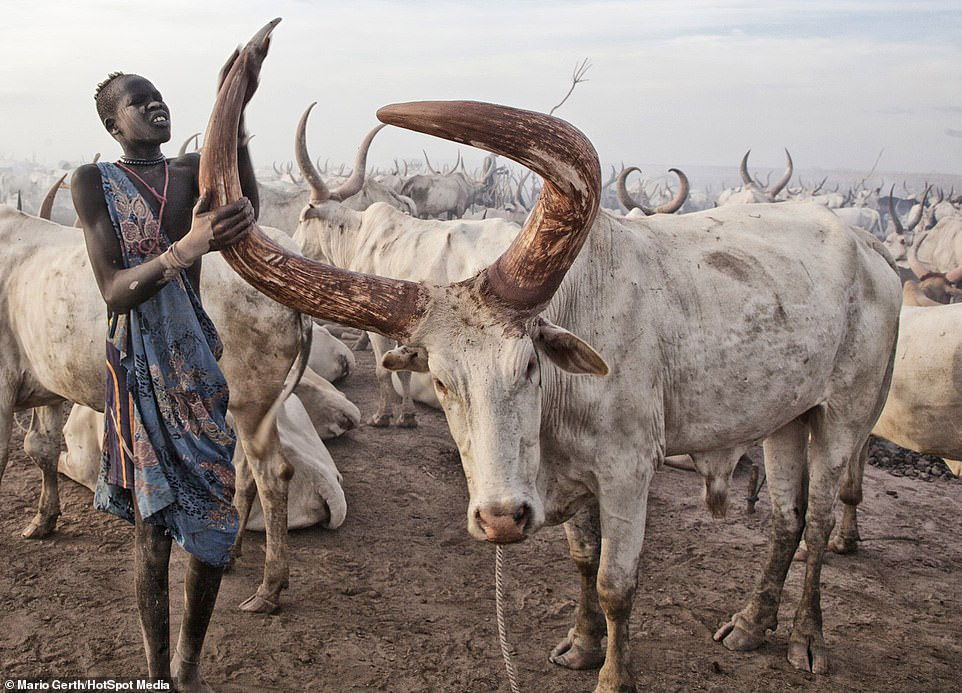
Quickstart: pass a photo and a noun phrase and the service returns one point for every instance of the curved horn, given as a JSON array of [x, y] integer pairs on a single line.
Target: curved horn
[[918, 269], [910, 224], [675, 204], [319, 190], [354, 184], [787, 176], [430, 168], [277, 170], [389, 306], [96, 158], [743, 171], [895, 217], [621, 189], [46, 207], [519, 193], [819, 186], [183, 147], [529, 272]]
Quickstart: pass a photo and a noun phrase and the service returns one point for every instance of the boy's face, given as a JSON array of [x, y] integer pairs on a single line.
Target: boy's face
[[141, 115]]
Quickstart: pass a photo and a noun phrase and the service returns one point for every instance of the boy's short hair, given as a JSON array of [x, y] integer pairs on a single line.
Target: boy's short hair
[[107, 95]]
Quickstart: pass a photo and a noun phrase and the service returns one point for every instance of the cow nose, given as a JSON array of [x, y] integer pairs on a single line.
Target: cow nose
[[504, 524]]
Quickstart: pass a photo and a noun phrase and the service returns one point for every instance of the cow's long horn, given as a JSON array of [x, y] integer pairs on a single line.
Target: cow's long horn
[[621, 189], [46, 207], [428, 162], [918, 269], [388, 306], [910, 224], [519, 192], [353, 185], [183, 147], [319, 190], [899, 229], [787, 176], [675, 204], [743, 171], [529, 272]]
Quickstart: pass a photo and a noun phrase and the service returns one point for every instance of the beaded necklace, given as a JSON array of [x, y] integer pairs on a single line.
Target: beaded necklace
[[162, 199]]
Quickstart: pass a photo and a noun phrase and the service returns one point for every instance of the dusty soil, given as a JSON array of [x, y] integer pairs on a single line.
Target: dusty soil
[[401, 599]]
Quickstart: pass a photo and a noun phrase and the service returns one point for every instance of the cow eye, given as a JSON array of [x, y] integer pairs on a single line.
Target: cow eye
[[532, 372], [440, 387]]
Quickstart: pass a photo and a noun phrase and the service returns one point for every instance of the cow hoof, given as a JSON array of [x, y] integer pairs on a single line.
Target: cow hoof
[[736, 638], [381, 420], [407, 421], [808, 655], [570, 656], [843, 544], [257, 604], [39, 527]]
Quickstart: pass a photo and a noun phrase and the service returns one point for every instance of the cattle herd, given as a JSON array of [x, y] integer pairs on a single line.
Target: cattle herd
[[574, 330]]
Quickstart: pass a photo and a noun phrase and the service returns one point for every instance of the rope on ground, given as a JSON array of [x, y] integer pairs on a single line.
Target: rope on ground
[[499, 607]]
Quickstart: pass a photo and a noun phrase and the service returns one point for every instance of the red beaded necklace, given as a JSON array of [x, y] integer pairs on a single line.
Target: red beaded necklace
[[162, 199]]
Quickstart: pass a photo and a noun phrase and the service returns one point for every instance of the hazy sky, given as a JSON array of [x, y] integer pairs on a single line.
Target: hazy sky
[[691, 82]]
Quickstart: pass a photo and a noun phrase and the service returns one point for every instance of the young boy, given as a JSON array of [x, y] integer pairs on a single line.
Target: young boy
[[167, 447]]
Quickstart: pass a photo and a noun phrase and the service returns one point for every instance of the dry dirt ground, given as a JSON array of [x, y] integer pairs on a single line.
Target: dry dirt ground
[[401, 599]]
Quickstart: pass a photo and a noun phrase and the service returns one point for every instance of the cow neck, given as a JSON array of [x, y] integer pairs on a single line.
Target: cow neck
[[161, 198]]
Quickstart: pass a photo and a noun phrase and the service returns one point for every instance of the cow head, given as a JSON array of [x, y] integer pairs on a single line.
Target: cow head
[[481, 339], [486, 366]]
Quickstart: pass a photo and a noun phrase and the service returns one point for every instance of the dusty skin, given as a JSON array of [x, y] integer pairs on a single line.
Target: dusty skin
[[401, 599]]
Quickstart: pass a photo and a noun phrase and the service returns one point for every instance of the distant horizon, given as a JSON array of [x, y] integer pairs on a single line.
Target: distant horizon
[[835, 82]]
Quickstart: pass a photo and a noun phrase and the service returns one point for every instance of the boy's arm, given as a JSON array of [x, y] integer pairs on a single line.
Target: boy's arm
[[124, 289]]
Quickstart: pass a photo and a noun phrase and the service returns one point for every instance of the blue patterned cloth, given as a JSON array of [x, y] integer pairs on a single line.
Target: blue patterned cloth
[[181, 446]]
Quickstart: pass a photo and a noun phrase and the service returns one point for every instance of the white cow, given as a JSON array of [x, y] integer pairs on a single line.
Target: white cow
[[52, 331], [924, 401], [863, 217], [383, 240], [449, 194], [693, 313], [751, 192], [941, 248]]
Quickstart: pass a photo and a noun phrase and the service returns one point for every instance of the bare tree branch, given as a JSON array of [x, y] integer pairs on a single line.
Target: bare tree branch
[[577, 76]]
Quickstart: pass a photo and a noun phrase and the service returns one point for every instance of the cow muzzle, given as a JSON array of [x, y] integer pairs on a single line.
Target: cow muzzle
[[504, 523]]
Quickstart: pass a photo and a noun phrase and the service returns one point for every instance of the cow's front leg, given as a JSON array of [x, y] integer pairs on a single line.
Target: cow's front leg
[[388, 399], [581, 647], [406, 413], [42, 445], [623, 510]]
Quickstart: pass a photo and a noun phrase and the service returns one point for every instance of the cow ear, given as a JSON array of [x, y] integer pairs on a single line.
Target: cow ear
[[566, 351], [406, 358]]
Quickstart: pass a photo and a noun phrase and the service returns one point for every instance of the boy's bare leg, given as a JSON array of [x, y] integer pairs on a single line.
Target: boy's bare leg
[[200, 594], [151, 561]]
